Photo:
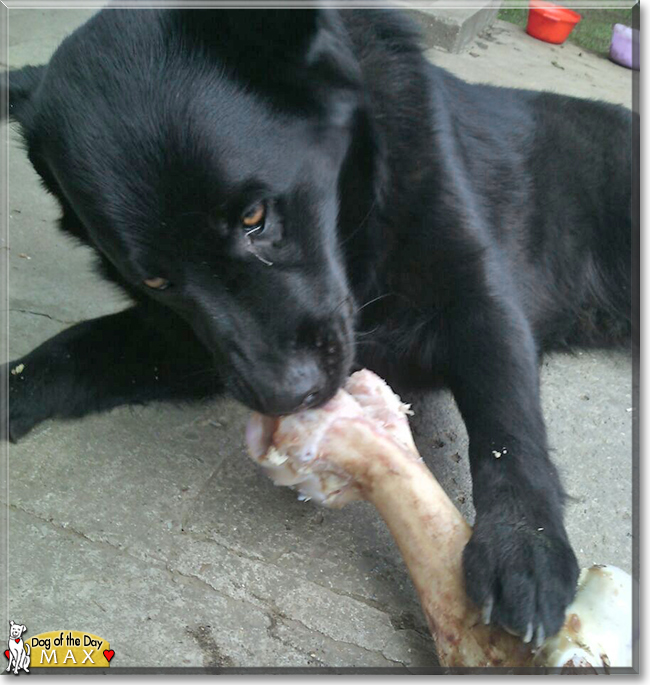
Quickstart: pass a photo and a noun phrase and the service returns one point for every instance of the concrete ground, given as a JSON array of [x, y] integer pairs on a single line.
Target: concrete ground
[[151, 528]]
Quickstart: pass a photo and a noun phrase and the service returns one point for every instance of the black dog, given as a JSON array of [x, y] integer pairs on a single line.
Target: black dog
[[287, 193]]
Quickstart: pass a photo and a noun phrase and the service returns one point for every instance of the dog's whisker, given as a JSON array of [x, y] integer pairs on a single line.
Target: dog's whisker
[[361, 225], [376, 299], [204, 215], [360, 334], [264, 261], [359, 343], [209, 372]]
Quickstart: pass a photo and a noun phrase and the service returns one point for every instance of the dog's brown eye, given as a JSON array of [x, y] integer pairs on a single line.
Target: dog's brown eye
[[254, 217], [156, 283]]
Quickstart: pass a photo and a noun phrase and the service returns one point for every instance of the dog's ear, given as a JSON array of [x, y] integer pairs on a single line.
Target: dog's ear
[[299, 48], [19, 86], [300, 38], [11, 623], [24, 629], [284, 35]]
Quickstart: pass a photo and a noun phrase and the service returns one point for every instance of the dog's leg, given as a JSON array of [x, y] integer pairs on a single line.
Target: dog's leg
[[519, 565], [98, 364]]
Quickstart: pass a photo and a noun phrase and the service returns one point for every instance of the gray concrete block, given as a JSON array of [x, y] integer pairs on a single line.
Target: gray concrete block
[[454, 29]]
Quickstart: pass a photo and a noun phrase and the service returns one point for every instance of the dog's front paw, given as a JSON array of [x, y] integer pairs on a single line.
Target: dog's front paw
[[21, 422], [29, 398], [522, 577]]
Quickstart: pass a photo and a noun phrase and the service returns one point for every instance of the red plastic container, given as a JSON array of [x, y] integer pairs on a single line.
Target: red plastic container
[[550, 22]]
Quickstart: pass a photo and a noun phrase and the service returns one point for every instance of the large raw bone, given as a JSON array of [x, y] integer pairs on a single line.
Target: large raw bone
[[359, 446]]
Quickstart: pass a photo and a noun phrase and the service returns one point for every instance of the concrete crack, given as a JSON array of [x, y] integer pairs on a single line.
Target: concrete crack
[[78, 533], [267, 605], [276, 615], [199, 537], [47, 316], [271, 630], [162, 564]]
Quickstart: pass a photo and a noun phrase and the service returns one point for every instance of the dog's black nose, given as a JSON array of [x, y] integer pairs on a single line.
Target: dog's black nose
[[304, 384]]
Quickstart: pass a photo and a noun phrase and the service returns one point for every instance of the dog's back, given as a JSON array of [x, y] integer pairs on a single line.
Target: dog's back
[[546, 179]]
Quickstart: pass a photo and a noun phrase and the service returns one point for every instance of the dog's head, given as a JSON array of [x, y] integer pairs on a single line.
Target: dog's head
[[16, 630], [199, 152]]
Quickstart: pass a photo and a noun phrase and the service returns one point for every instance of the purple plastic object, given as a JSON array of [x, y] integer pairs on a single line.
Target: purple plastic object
[[620, 49]]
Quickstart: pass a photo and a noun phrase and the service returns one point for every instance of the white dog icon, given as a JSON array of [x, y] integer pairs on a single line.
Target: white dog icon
[[19, 652]]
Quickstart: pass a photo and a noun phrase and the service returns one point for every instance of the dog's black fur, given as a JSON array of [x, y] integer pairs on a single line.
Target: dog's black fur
[[417, 225]]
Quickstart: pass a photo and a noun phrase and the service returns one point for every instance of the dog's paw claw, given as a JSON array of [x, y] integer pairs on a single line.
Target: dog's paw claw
[[529, 633], [486, 612], [519, 581]]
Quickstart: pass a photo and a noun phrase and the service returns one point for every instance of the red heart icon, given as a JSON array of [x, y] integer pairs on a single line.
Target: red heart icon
[[7, 653], [17, 639], [109, 654]]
